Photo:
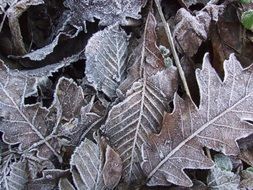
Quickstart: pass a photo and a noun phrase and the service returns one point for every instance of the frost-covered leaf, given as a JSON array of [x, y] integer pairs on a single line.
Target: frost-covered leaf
[[191, 30], [107, 11], [49, 179], [21, 123], [221, 119], [89, 166], [146, 54], [87, 123], [220, 178], [48, 70], [223, 162], [13, 13], [106, 54], [247, 179], [41, 53], [4, 4], [64, 184], [69, 99], [131, 121], [33, 126], [112, 169], [17, 178]]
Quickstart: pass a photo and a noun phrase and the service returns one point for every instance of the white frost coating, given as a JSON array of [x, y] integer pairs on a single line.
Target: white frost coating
[[107, 11], [85, 166], [106, 54], [217, 124]]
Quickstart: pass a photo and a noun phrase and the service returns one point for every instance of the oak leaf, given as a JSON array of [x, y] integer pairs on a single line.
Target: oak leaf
[[220, 120]]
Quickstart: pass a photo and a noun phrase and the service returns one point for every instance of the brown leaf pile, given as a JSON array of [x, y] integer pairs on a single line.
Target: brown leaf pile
[[90, 97]]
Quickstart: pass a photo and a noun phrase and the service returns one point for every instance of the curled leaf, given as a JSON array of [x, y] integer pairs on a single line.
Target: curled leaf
[[107, 11]]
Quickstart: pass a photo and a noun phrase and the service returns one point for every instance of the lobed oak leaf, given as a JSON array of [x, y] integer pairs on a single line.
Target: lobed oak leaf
[[221, 119]]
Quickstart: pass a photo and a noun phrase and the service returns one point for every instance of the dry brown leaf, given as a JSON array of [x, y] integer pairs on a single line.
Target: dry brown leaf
[[221, 119], [95, 166], [131, 121], [191, 30]]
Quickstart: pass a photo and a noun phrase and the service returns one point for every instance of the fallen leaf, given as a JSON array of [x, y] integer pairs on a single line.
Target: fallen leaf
[[190, 31], [17, 178], [221, 119], [131, 121], [221, 176], [247, 179], [106, 54], [112, 169], [39, 128], [108, 12], [89, 163]]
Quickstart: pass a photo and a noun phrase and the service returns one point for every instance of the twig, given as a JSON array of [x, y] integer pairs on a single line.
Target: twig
[[208, 153], [173, 49]]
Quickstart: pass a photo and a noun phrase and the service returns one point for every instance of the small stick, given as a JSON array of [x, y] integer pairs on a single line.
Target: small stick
[[173, 49], [208, 153]]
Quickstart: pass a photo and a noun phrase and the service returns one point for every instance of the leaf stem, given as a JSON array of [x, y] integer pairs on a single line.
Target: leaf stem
[[173, 49]]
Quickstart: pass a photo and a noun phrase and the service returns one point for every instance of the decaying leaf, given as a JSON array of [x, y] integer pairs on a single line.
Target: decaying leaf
[[90, 168], [108, 12], [112, 169], [13, 13], [106, 54], [34, 126], [131, 121], [87, 124], [222, 178], [247, 179], [20, 123], [17, 178], [191, 31], [221, 119], [145, 52], [49, 179], [64, 184]]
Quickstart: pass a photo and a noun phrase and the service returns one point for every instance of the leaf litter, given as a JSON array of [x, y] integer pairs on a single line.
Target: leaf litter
[[92, 95]]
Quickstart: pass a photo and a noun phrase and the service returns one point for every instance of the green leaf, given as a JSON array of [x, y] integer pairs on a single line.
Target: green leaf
[[247, 19], [223, 162], [246, 1]]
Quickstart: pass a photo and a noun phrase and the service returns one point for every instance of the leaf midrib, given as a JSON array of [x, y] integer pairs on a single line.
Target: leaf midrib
[[195, 134], [29, 123]]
